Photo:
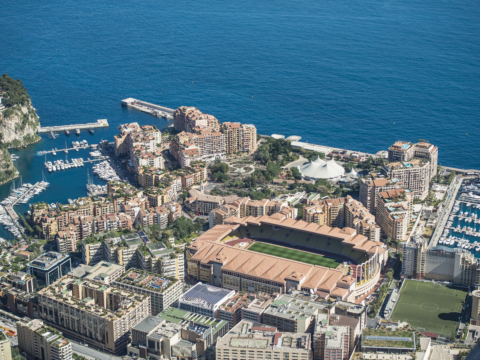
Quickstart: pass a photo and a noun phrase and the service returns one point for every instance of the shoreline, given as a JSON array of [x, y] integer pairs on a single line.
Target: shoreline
[[449, 168]]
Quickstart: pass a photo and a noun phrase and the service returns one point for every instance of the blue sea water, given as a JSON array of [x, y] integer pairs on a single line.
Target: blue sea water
[[350, 74]]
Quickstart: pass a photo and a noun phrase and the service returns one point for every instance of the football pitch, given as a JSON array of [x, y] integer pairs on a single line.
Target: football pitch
[[430, 307], [296, 255]]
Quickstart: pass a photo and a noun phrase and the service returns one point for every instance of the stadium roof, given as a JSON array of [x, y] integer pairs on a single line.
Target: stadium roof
[[320, 169]]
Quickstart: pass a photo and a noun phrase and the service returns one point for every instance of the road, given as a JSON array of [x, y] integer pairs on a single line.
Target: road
[[296, 163], [92, 353]]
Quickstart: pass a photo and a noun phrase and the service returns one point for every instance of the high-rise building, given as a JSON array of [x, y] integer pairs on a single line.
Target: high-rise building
[[240, 138], [394, 213], [330, 342], [5, 348], [475, 313], [163, 292], [342, 212], [38, 341], [49, 267], [404, 151], [92, 312], [413, 164], [371, 188], [440, 263]]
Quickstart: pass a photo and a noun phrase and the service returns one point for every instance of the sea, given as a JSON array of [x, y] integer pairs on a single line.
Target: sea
[[349, 74]]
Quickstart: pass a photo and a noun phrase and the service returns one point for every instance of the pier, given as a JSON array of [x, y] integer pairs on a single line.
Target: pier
[[149, 108], [99, 124], [447, 209], [11, 212], [29, 191]]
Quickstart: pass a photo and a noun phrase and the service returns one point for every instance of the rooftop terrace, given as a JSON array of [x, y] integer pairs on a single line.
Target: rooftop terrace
[[146, 280]]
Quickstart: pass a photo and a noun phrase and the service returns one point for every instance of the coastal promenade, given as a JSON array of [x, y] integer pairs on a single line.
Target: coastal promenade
[[99, 124], [149, 108], [294, 140]]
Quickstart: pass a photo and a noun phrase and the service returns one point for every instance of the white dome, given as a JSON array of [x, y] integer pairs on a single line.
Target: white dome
[[320, 169], [352, 173]]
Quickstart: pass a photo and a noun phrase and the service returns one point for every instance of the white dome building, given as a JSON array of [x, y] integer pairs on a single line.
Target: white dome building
[[320, 169]]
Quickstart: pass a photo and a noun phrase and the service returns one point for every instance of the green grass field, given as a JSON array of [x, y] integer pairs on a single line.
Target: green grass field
[[292, 254], [430, 307]]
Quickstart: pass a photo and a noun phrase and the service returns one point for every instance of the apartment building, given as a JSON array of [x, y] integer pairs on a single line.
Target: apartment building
[[415, 175], [175, 334], [293, 314], [205, 329], [414, 257], [342, 212], [122, 146], [204, 299], [49, 267], [404, 151], [239, 138], [330, 342], [256, 208], [38, 341], [105, 272], [158, 259], [370, 188], [187, 118], [359, 218], [328, 212], [257, 341], [394, 213], [440, 263], [248, 306], [5, 348], [150, 176], [218, 215], [101, 316], [257, 307], [163, 292], [21, 280], [66, 240]]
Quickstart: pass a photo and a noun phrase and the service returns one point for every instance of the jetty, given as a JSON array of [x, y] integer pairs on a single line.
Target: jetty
[[101, 123], [149, 108], [447, 209]]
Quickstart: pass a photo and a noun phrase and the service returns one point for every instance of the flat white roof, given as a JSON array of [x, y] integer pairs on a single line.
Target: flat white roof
[[312, 147]]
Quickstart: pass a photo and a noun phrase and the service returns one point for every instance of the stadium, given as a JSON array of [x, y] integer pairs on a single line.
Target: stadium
[[277, 254]]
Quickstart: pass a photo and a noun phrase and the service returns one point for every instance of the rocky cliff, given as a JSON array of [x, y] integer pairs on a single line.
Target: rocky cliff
[[18, 126], [18, 123]]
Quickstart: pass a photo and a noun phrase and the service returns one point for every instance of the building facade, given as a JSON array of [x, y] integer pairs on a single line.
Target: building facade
[[163, 292], [49, 267], [38, 341], [99, 315]]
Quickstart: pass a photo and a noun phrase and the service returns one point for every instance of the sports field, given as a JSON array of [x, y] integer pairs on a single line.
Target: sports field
[[292, 254], [430, 307]]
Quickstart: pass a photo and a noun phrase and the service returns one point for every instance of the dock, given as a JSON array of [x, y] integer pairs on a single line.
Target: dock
[[447, 209], [11, 212], [99, 124], [149, 108]]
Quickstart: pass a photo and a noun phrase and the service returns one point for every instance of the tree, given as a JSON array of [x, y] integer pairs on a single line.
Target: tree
[[296, 173]]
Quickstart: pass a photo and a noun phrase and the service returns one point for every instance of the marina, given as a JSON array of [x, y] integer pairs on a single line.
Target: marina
[[462, 229], [24, 192], [101, 123], [149, 108]]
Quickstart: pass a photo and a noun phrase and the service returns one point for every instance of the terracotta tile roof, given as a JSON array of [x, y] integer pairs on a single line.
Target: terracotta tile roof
[[267, 267]]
